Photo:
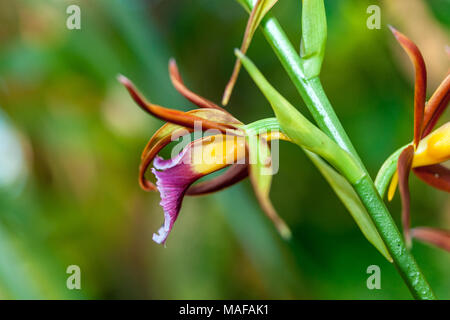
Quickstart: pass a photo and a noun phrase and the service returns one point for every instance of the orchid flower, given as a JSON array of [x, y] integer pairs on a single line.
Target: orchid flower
[[428, 150], [233, 145]]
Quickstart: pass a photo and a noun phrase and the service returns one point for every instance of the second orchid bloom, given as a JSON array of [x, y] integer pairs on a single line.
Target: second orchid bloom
[[426, 155]]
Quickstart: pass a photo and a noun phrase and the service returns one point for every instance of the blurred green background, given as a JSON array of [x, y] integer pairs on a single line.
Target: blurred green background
[[71, 140]]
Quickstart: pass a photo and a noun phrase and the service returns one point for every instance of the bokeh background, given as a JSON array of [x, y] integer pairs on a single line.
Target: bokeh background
[[70, 143]]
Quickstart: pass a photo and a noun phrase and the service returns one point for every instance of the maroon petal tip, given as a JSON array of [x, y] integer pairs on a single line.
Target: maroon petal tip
[[420, 86], [179, 85], [438, 237], [437, 176], [404, 167]]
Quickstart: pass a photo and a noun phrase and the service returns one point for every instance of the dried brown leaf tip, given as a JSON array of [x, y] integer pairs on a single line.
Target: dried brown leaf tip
[[258, 12]]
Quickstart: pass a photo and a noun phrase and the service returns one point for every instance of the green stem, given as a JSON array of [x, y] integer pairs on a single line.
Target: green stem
[[403, 259], [310, 90], [317, 102]]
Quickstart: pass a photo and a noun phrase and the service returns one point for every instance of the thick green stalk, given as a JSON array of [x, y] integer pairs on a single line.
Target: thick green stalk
[[403, 259], [317, 102]]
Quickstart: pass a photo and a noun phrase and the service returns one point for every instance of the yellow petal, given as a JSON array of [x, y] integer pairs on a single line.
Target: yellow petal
[[217, 152], [275, 135], [393, 186], [434, 148]]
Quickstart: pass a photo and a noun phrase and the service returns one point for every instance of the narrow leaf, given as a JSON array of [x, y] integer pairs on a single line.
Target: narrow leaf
[[300, 130], [386, 172], [314, 36], [350, 199]]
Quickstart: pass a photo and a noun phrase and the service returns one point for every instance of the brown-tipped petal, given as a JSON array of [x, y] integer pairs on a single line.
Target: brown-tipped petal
[[173, 116], [233, 175], [214, 115], [178, 83], [163, 136], [436, 106], [436, 176], [420, 82], [266, 205], [438, 237], [404, 167]]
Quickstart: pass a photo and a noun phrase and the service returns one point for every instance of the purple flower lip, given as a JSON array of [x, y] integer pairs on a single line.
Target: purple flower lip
[[172, 183], [173, 178]]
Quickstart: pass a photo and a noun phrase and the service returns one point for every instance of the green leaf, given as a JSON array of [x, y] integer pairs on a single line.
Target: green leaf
[[301, 130], [314, 37], [350, 199], [386, 172], [342, 188], [244, 4]]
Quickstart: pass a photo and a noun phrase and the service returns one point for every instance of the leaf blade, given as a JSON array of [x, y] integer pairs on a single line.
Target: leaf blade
[[314, 36], [351, 201]]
